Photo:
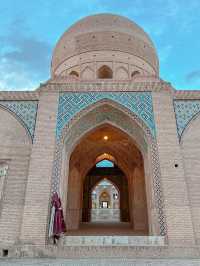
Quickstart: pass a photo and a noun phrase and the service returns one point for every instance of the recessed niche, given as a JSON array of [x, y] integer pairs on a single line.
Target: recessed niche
[[5, 252]]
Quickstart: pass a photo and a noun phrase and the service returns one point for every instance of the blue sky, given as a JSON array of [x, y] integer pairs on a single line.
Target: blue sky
[[30, 30]]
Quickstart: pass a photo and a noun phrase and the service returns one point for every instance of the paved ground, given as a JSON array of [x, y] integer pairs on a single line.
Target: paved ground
[[96, 262], [108, 228]]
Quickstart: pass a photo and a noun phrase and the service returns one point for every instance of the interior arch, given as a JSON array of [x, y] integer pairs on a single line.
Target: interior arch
[[115, 176], [105, 202]]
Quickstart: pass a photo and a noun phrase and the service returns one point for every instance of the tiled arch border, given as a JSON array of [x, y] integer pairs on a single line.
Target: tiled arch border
[[156, 175], [22, 123], [190, 122]]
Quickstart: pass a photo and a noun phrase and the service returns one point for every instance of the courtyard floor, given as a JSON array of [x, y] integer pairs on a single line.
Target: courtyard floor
[[99, 262]]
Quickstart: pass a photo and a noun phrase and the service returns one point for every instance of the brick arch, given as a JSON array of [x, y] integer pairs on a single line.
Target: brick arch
[[19, 120], [77, 127], [122, 72], [89, 185]]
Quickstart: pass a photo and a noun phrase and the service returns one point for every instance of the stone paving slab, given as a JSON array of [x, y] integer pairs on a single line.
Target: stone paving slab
[[112, 241], [100, 262]]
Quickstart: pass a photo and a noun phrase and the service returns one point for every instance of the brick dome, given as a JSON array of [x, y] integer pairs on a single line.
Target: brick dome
[[95, 35]]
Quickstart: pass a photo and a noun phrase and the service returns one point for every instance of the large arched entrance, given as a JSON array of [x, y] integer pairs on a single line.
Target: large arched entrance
[[131, 145], [127, 174]]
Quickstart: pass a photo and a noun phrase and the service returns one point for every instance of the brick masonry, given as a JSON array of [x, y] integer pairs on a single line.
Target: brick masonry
[[36, 209], [28, 143]]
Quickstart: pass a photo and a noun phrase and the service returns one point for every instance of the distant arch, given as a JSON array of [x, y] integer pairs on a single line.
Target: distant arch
[[105, 72], [105, 156]]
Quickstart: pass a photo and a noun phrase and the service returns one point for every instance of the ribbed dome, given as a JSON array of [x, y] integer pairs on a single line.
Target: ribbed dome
[[104, 32]]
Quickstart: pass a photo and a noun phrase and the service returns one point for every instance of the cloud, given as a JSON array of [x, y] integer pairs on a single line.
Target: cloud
[[193, 76], [24, 59]]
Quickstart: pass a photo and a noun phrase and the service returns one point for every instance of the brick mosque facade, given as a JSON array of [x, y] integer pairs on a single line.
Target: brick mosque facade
[[104, 81]]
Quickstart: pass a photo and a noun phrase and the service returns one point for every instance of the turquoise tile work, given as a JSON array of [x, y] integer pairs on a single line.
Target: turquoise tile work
[[26, 111], [71, 103], [185, 110]]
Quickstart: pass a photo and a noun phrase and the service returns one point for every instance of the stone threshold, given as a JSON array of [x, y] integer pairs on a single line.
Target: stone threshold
[[114, 240]]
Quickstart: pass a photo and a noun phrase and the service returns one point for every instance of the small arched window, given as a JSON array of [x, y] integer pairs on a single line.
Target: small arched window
[[135, 73], [74, 74], [105, 72], [105, 163]]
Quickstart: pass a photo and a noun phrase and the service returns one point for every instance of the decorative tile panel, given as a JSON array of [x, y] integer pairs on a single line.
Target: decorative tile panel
[[185, 111], [70, 104], [25, 110]]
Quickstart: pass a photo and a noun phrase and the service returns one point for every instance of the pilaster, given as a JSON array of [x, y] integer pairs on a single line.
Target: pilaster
[[177, 207], [35, 218]]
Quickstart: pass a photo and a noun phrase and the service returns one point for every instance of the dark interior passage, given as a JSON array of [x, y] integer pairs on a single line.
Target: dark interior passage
[[115, 176]]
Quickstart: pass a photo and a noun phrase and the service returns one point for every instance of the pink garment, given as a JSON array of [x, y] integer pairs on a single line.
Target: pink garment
[[59, 224]]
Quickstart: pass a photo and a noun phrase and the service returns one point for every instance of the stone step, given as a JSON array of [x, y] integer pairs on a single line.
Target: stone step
[[100, 262], [114, 240]]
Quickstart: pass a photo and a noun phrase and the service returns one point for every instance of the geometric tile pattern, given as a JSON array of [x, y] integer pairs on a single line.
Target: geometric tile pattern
[[159, 202], [185, 110], [71, 103], [26, 111]]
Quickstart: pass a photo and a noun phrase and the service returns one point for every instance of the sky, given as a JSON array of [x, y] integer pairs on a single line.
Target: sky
[[30, 29]]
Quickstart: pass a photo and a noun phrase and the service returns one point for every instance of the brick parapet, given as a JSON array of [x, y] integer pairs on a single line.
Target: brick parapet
[[186, 95], [19, 95], [115, 86]]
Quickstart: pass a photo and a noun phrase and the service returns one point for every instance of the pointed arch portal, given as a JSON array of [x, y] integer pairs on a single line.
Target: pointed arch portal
[[133, 148], [127, 175]]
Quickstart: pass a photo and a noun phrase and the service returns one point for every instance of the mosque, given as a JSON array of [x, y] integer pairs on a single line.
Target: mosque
[[117, 144]]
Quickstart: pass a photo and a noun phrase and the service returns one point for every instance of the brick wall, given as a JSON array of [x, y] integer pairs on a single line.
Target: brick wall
[[191, 153], [177, 207], [15, 148], [35, 219]]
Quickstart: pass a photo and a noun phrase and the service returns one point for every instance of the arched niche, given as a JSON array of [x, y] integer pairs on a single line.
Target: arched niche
[[121, 73], [87, 73], [15, 149], [114, 114], [115, 176], [104, 72]]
